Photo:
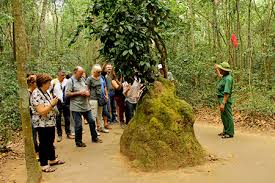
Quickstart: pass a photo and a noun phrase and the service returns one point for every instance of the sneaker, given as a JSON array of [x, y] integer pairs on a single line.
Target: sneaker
[[82, 144], [70, 136], [122, 126], [104, 130], [59, 138], [226, 136], [97, 140], [98, 134]]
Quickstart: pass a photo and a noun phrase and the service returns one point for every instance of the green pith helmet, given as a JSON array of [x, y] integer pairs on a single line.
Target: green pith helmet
[[225, 66]]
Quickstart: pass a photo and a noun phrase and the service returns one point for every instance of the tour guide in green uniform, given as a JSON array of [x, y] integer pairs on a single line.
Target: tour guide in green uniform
[[224, 92]]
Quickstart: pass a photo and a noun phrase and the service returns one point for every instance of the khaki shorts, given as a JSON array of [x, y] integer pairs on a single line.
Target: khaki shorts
[[96, 112]]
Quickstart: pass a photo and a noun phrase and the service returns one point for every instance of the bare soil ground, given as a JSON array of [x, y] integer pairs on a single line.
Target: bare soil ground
[[249, 157]]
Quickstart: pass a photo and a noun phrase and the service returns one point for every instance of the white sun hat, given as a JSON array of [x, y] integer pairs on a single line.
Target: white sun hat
[[159, 66]]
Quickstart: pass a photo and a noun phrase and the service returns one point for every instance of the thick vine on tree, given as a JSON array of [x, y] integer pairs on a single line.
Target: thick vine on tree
[[128, 31]]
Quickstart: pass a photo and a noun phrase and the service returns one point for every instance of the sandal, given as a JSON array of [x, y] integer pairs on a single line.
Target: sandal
[[221, 134], [226, 136], [48, 169], [57, 162]]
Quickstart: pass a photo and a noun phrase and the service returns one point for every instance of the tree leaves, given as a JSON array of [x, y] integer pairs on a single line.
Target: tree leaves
[[125, 52], [131, 52], [5, 18], [129, 28], [125, 30]]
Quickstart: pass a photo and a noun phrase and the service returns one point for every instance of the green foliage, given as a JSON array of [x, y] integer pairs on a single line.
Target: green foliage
[[53, 57], [9, 114], [5, 18], [126, 29], [193, 67], [253, 101], [196, 80], [160, 135], [5, 137], [196, 83]]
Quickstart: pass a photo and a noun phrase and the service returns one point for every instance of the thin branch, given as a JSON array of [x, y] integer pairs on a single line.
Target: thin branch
[[211, 24], [257, 12]]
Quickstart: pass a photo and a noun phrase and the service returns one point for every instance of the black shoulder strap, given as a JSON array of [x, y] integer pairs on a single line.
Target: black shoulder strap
[[51, 91], [72, 84], [84, 80], [45, 95]]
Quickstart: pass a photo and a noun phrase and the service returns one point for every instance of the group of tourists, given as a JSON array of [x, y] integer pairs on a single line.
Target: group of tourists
[[99, 99]]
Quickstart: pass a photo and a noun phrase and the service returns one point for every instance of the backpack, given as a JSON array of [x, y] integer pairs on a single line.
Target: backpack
[[101, 99]]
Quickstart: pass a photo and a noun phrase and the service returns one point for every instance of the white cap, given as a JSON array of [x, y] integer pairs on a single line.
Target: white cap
[[160, 66]]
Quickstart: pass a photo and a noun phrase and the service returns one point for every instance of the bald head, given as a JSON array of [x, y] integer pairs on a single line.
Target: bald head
[[78, 72]]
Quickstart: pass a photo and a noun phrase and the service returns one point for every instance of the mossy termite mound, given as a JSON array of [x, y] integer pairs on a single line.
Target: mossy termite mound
[[160, 136]]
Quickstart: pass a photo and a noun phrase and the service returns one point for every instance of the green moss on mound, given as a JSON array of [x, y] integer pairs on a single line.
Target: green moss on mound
[[161, 135]]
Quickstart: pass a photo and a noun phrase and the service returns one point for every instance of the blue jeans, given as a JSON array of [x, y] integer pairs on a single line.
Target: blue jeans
[[105, 112], [129, 111], [77, 116]]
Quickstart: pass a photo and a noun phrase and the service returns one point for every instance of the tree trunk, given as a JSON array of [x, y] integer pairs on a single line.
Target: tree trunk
[[214, 26], [231, 28], [249, 43], [216, 36], [228, 31], [209, 35], [42, 27], [239, 49], [34, 27], [268, 60], [56, 26], [163, 52], [192, 16], [33, 169], [1, 45], [13, 41]]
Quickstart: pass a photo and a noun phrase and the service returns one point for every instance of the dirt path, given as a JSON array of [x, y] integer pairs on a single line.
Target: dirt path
[[246, 158]]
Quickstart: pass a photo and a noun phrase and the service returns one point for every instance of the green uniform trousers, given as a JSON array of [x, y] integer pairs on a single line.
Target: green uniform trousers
[[227, 118]]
